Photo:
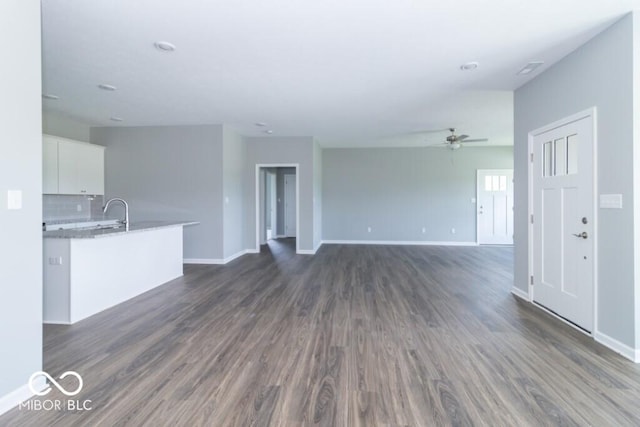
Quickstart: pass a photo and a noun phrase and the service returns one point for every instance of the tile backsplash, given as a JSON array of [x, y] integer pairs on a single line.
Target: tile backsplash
[[70, 207]]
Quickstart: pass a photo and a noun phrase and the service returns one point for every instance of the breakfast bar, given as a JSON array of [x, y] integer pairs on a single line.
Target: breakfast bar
[[87, 270]]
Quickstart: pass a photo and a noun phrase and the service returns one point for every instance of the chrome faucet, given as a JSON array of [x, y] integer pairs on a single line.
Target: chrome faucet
[[126, 210]]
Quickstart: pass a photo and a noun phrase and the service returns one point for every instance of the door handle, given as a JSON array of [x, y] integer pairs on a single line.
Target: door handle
[[583, 235]]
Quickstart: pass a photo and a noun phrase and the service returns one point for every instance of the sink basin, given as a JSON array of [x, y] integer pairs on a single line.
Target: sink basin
[[106, 227]]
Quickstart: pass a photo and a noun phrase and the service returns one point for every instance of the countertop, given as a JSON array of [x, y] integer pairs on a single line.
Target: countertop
[[134, 227]]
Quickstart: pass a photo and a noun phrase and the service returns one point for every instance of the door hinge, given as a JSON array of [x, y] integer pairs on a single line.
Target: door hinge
[[531, 218], [531, 157], [531, 281]]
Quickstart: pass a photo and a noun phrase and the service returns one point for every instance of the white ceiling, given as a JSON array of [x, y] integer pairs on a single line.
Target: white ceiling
[[349, 72]]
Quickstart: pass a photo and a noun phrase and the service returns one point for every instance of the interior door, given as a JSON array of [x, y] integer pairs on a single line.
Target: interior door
[[290, 205], [495, 207], [563, 221]]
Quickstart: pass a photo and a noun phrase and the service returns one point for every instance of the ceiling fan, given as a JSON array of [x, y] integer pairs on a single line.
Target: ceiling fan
[[454, 141]]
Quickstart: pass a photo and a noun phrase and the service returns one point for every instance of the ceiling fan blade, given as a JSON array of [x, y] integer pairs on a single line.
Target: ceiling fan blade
[[475, 140], [461, 137]]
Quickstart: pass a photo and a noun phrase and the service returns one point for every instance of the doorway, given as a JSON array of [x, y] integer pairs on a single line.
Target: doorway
[[277, 203], [563, 218], [495, 206]]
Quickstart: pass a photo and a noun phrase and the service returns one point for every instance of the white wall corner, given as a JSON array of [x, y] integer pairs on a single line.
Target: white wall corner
[[624, 350], [234, 256], [306, 251], [216, 261], [24, 393], [520, 294]]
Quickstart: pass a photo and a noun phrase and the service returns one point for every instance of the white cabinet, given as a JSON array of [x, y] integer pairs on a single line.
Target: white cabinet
[[49, 165], [72, 167]]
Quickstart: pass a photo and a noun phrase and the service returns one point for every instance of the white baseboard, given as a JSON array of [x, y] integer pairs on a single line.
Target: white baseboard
[[13, 399], [398, 242], [520, 294], [252, 251], [620, 348], [217, 261]]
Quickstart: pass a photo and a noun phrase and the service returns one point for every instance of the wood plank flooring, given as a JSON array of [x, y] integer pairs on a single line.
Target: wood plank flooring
[[353, 336]]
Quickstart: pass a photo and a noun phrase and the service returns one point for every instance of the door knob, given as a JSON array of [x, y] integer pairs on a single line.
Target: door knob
[[584, 235]]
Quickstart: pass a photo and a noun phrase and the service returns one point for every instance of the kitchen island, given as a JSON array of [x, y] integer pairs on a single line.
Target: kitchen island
[[89, 270]]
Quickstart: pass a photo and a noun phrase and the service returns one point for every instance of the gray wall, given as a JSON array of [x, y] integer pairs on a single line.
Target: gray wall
[[397, 191], [58, 125], [599, 74], [171, 173], [233, 154], [272, 150], [20, 169]]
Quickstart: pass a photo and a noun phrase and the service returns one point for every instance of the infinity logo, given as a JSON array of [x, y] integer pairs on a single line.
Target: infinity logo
[[54, 382]]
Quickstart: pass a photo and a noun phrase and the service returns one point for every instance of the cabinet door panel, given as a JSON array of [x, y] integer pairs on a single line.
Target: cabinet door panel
[[91, 169], [49, 165], [68, 168], [80, 168]]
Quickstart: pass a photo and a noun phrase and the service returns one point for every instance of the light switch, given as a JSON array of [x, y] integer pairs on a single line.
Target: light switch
[[611, 201], [14, 199]]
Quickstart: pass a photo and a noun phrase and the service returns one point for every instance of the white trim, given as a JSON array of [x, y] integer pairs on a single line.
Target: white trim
[[560, 318], [397, 242], [14, 398], [284, 198], [591, 113], [216, 261], [521, 294], [620, 348], [257, 200], [306, 252], [251, 251], [55, 322]]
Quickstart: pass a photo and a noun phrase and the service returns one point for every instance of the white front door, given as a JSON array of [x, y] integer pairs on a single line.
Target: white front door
[[495, 207], [290, 205], [563, 219]]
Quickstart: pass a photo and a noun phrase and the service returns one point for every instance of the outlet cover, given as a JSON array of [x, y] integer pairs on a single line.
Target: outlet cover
[[14, 199]]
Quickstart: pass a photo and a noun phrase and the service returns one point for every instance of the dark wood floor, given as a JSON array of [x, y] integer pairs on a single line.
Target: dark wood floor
[[353, 336]]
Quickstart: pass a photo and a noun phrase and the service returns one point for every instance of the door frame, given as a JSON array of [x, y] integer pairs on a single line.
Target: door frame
[[284, 197], [478, 201], [257, 199], [590, 113]]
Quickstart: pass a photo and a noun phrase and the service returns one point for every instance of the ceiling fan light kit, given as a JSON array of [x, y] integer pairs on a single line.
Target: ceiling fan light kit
[[454, 142]]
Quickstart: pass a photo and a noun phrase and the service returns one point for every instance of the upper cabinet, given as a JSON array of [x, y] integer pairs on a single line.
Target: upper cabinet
[[72, 167], [49, 165]]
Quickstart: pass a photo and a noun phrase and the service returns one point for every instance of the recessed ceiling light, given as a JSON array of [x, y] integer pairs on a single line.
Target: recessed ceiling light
[[107, 87], [469, 66], [269, 131], [261, 124], [165, 46], [530, 67], [50, 96], [116, 119]]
